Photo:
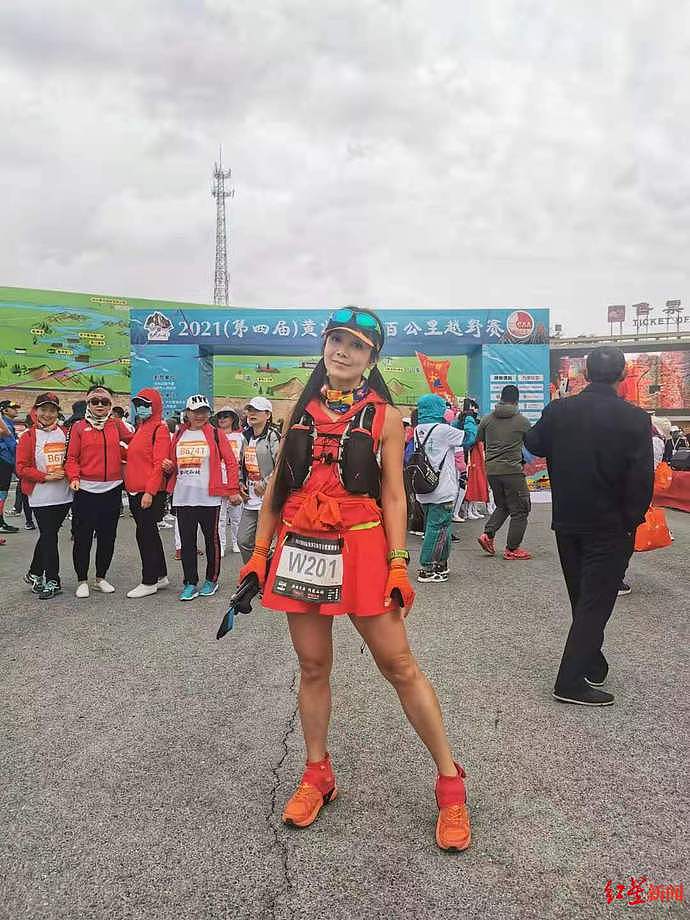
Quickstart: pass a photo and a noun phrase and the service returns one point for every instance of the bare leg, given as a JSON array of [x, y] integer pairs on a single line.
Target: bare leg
[[387, 640], [311, 636]]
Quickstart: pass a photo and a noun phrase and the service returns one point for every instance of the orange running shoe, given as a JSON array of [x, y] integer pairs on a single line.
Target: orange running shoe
[[453, 825], [516, 554], [316, 789]]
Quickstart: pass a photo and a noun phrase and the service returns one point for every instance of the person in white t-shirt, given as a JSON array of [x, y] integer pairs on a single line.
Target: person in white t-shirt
[[40, 465], [196, 460], [228, 422]]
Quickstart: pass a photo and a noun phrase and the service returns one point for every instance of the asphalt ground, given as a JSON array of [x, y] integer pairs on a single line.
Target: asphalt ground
[[145, 764]]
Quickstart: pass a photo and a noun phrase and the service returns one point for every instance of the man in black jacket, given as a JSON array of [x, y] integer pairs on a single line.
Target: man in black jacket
[[598, 449]]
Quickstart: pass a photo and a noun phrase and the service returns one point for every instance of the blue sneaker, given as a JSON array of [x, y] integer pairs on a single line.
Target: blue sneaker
[[209, 588], [189, 592]]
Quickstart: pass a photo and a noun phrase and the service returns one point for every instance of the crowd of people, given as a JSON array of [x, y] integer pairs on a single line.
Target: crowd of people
[[321, 515], [80, 467]]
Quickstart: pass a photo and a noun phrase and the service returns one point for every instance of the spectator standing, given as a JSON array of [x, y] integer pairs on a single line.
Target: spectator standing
[[94, 469], [598, 449], [145, 485], [8, 456], [440, 442], [40, 466], [260, 456], [228, 422], [502, 433]]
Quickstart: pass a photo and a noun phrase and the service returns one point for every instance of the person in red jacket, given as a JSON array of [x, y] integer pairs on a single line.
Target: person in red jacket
[[145, 485], [197, 488], [94, 470], [40, 466]]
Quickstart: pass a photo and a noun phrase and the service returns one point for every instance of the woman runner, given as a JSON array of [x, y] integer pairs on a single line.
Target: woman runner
[[340, 519], [40, 466]]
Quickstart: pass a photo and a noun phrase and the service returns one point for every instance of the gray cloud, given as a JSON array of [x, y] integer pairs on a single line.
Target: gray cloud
[[393, 153]]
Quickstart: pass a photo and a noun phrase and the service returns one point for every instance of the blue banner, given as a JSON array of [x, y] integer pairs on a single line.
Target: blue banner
[[274, 331]]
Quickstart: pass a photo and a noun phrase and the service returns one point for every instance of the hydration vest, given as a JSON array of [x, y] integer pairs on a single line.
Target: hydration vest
[[357, 459]]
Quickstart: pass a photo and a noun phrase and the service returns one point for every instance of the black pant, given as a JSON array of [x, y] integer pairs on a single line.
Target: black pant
[[21, 503], [46, 559], [512, 499], [95, 513], [188, 519], [149, 542], [593, 567]]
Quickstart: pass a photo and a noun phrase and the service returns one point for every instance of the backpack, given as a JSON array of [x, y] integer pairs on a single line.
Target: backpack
[[423, 477], [680, 461]]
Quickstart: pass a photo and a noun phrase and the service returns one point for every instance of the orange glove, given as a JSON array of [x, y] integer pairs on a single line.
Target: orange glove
[[257, 564], [398, 580]]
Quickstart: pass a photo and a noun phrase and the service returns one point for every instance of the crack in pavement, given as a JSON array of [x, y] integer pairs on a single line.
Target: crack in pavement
[[272, 818]]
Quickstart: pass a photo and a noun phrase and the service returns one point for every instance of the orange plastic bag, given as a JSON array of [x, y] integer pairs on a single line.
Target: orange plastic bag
[[663, 477], [654, 533]]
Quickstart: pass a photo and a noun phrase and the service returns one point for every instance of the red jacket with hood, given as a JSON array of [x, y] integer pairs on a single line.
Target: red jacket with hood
[[148, 449], [27, 471], [220, 449], [94, 454]]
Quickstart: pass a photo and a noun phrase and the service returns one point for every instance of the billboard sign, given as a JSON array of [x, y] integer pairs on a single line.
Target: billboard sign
[[617, 313]]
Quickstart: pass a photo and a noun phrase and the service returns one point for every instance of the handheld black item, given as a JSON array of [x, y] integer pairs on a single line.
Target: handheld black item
[[240, 602]]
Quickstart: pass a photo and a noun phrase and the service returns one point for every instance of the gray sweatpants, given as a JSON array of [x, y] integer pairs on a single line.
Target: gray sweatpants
[[512, 501], [247, 532]]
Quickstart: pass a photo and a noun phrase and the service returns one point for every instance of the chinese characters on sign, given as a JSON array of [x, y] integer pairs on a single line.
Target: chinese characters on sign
[[532, 392], [640, 891]]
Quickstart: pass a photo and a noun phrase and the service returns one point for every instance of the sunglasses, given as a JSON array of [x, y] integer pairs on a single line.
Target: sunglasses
[[364, 320], [100, 402]]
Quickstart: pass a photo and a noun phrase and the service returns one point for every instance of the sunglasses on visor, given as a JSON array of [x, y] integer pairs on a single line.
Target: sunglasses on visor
[[364, 320]]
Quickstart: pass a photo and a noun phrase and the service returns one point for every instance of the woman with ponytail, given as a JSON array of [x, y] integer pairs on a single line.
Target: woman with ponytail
[[336, 503]]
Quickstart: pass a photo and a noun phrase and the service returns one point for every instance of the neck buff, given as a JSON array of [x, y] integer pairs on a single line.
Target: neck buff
[[97, 423], [342, 400]]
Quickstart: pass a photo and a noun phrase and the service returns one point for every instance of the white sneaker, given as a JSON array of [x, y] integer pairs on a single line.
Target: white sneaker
[[235, 547], [82, 589], [142, 591], [162, 582], [459, 520], [222, 554], [102, 585]]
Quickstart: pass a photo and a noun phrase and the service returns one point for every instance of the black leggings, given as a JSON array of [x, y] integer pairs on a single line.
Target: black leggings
[[188, 519], [95, 513], [46, 559], [148, 536]]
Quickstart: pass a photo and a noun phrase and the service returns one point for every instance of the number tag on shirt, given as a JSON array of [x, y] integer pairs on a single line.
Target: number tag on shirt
[[310, 569]]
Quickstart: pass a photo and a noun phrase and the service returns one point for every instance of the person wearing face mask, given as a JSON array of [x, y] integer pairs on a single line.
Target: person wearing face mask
[[40, 466], [145, 486], [259, 460], [195, 465], [94, 470]]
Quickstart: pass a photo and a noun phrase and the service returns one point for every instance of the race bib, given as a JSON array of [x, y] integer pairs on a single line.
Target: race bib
[[190, 456], [251, 464], [54, 455], [310, 569]]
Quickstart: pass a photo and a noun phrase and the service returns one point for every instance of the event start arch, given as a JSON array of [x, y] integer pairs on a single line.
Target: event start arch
[[174, 346]]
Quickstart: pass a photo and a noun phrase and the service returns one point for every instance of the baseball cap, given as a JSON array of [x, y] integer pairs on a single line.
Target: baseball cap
[[9, 404], [260, 403], [227, 410], [47, 399], [198, 401]]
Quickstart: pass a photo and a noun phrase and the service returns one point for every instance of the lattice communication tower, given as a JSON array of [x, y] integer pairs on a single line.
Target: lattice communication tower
[[220, 192]]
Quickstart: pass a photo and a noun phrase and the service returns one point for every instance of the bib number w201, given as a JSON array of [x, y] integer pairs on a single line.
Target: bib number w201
[[310, 569]]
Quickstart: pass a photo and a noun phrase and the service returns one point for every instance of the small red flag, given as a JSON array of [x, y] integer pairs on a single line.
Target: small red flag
[[436, 373]]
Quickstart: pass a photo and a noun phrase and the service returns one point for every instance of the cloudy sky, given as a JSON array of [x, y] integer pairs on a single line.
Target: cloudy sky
[[384, 152]]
